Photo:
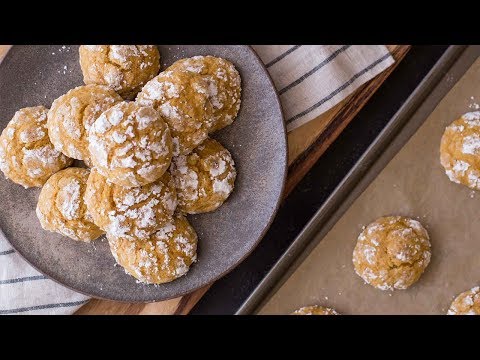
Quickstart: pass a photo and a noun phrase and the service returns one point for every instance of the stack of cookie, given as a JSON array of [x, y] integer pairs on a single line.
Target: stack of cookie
[[148, 162]]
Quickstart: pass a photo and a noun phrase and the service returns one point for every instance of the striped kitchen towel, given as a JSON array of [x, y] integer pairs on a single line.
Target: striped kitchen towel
[[23, 290], [310, 80]]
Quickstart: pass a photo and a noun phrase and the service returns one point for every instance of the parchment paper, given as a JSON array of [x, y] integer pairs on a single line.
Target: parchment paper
[[413, 184]]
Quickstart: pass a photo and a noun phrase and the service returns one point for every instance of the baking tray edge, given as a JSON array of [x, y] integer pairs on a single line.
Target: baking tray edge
[[452, 65]]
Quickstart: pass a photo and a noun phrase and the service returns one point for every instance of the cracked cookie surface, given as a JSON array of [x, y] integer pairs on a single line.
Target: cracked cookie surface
[[163, 257], [196, 96], [61, 206], [130, 213], [460, 150], [130, 145], [205, 178], [392, 252], [467, 303], [72, 115], [224, 87], [27, 157], [315, 310], [124, 68]]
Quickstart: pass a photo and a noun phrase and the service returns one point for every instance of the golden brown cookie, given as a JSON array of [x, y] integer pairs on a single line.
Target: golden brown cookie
[[460, 150], [124, 68], [195, 96], [225, 87], [315, 310], [467, 303], [164, 257], [205, 178], [130, 213], [72, 114], [27, 157], [130, 145], [61, 206], [392, 252]]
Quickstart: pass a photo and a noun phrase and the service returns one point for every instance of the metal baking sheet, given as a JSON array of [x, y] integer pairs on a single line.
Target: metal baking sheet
[[441, 79]]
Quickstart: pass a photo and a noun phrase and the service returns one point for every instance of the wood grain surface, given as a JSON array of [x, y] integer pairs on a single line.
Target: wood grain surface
[[306, 144]]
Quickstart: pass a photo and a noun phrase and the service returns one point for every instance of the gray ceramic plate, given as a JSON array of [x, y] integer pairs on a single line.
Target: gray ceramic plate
[[36, 75]]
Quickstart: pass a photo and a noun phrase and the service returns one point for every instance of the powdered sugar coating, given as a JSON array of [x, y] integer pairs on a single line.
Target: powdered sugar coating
[[124, 68], [315, 310], [460, 150], [72, 114], [196, 96], [392, 253], [163, 257], [130, 145], [223, 87], [130, 213], [27, 156], [205, 178], [467, 303], [61, 206]]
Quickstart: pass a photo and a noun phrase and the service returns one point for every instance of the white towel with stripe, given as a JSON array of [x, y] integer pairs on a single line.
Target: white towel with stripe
[[310, 80], [23, 290]]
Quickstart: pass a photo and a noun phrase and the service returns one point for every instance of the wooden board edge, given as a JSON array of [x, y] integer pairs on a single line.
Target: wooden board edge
[[299, 168]]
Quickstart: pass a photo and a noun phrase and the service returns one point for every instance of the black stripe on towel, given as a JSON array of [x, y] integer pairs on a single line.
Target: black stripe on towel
[[7, 252], [315, 69], [341, 88], [23, 279], [41, 307], [280, 57]]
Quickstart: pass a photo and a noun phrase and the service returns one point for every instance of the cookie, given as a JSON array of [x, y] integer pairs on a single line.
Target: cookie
[[130, 213], [130, 145], [460, 150], [467, 303], [164, 257], [61, 206], [196, 97], [72, 114], [392, 253], [124, 68], [315, 310], [205, 178], [27, 157], [225, 87]]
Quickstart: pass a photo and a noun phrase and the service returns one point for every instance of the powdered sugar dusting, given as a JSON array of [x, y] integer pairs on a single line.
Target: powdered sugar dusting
[[145, 143], [70, 204], [471, 144], [392, 252], [165, 256]]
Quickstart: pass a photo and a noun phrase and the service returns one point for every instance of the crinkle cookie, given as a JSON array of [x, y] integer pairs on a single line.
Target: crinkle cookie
[[130, 213], [467, 303], [124, 68], [130, 145], [392, 252], [61, 206], [225, 87], [164, 257], [460, 150], [72, 114], [315, 310], [205, 178], [196, 97], [27, 157]]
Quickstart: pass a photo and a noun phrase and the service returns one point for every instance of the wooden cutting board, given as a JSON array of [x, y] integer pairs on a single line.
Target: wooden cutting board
[[306, 144]]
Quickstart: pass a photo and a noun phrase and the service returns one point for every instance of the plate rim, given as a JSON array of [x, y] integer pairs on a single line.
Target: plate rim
[[267, 226]]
